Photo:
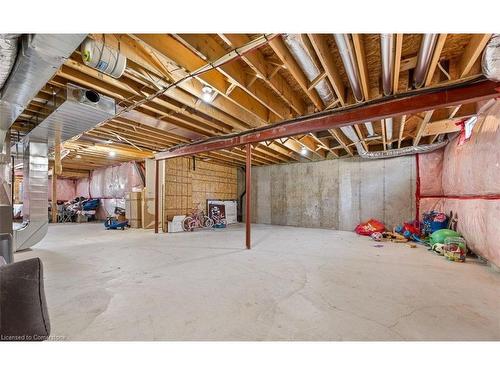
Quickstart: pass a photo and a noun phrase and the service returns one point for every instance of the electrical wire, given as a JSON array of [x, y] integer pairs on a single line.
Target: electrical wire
[[203, 69]]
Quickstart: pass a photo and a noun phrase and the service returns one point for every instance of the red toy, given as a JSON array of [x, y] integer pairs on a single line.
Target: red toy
[[370, 227]]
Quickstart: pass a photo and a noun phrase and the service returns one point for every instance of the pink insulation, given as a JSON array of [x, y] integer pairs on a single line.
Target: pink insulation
[[470, 185], [82, 188], [478, 222], [66, 189], [431, 166], [115, 181], [110, 184], [474, 168]]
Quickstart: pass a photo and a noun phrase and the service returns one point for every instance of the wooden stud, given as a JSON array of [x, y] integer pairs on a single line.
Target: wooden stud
[[320, 45], [435, 58], [421, 127], [402, 124], [359, 50], [472, 52], [397, 62]]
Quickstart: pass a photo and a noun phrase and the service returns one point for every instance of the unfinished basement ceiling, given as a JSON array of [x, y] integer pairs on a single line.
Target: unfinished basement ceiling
[[263, 85]]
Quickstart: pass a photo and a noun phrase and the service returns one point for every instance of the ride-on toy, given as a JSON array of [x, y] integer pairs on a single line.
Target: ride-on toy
[[113, 223]]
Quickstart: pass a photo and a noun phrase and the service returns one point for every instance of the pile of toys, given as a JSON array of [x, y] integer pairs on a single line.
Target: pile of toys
[[437, 231]]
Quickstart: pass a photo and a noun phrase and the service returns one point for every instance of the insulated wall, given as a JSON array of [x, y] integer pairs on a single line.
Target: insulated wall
[[470, 184], [338, 193], [110, 184], [65, 190]]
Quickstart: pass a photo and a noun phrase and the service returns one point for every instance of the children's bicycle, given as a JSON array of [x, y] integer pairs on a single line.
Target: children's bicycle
[[197, 219]]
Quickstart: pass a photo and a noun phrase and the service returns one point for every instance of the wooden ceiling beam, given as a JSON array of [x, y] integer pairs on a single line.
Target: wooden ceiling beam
[[359, 50], [472, 52], [397, 62], [257, 61], [89, 77], [312, 146], [177, 52], [402, 124], [297, 147], [421, 127], [442, 127], [335, 134], [234, 71], [435, 58]]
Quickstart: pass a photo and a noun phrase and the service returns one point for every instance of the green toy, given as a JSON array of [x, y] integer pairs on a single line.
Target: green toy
[[440, 235]]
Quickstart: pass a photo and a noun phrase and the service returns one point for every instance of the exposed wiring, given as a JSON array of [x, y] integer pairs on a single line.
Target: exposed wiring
[[228, 57], [444, 71]]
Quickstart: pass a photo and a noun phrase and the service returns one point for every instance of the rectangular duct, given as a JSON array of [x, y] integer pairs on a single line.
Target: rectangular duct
[[81, 110], [39, 58]]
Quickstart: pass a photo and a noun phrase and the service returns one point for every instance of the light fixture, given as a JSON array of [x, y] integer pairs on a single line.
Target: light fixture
[[207, 93], [303, 151], [112, 153], [78, 156]]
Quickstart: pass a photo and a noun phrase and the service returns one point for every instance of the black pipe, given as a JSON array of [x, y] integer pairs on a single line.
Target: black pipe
[[240, 203]]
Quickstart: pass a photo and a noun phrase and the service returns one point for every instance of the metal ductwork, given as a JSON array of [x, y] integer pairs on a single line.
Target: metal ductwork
[[27, 63], [306, 62], [299, 52], [81, 110], [403, 151], [424, 59], [5, 203], [39, 58], [387, 56], [8, 53], [349, 60], [350, 133], [388, 131], [369, 129], [490, 62], [35, 195]]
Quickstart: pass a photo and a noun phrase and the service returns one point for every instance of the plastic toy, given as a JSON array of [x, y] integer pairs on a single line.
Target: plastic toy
[[113, 223], [440, 236]]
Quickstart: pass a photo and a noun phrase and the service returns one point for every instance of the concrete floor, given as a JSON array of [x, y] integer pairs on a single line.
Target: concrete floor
[[296, 284]]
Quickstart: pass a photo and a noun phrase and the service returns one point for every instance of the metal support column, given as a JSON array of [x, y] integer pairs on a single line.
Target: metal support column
[[248, 177], [157, 194]]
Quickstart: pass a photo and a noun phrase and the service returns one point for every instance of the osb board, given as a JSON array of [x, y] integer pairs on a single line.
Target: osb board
[[185, 187], [212, 181], [178, 187]]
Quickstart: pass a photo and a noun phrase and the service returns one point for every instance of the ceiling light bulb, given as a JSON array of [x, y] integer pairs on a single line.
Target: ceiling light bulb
[[112, 153], [78, 156], [303, 151], [206, 95]]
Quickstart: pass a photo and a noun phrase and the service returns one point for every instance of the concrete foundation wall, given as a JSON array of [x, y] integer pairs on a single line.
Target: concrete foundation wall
[[334, 193]]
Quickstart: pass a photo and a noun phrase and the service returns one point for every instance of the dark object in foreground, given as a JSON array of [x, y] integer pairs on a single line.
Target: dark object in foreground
[[23, 309]]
